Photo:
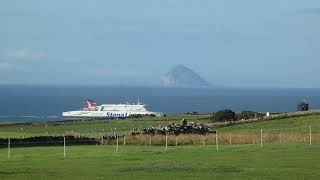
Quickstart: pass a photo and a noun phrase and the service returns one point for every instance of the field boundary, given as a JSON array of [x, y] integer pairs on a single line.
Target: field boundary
[[265, 118]]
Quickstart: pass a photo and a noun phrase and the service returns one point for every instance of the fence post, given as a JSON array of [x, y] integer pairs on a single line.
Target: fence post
[[310, 136], [176, 141], [166, 141], [280, 137], [117, 143], [261, 138], [204, 141], [150, 140], [124, 140], [64, 146], [230, 142], [9, 148], [102, 140], [217, 144]]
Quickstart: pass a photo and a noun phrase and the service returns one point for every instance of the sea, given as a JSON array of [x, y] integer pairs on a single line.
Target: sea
[[25, 103]]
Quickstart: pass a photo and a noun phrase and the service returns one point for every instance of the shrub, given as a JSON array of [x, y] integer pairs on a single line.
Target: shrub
[[224, 115], [246, 115]]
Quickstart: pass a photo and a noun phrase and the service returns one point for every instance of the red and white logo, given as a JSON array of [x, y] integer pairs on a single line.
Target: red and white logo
[[90, 105]]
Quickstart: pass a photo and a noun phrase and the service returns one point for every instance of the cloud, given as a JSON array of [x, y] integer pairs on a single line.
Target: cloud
[[315, 11], [27, 54]]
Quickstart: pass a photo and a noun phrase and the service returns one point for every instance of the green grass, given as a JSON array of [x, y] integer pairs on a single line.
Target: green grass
[[294, 125], [273, 161], [105, 126]]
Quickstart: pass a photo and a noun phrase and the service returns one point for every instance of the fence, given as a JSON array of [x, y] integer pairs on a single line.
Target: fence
[[259, 137]]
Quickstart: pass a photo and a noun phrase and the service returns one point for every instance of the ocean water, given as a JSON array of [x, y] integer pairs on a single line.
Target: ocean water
[[43, 103]]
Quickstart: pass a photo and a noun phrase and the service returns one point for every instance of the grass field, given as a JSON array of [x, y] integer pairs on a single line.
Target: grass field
[[244, 159], [273, 161], [93, 127], [294, 125]]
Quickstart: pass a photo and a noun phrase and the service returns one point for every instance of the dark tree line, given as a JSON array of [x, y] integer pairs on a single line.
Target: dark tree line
[[228, 115]]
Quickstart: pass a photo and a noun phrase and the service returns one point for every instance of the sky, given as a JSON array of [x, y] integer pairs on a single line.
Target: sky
[[247, 43]]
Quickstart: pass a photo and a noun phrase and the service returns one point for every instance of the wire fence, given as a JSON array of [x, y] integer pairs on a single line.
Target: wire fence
[[259, 136]]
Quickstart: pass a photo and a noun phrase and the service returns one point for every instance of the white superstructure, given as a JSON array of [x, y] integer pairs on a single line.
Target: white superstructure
[[110, 111]]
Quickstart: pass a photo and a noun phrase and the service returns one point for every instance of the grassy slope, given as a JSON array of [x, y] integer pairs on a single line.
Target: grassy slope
[[122, 125], [274, 161], [295, 125]]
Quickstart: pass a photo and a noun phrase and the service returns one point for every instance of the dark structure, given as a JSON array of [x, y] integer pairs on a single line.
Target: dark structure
[[49, 140], [184, 128], [57, 140], [304, 105]]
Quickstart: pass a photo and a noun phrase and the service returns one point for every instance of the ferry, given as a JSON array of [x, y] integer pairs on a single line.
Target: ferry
[[108, 111]]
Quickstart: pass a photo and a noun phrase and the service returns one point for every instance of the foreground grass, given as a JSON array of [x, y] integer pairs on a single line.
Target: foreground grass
[[273, 161]]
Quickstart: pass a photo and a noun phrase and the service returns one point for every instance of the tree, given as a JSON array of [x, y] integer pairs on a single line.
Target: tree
[[224, 115], [246, 115]]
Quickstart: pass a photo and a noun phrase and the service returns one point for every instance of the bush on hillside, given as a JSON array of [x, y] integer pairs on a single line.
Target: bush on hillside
[[224, 115], [246, 115]]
